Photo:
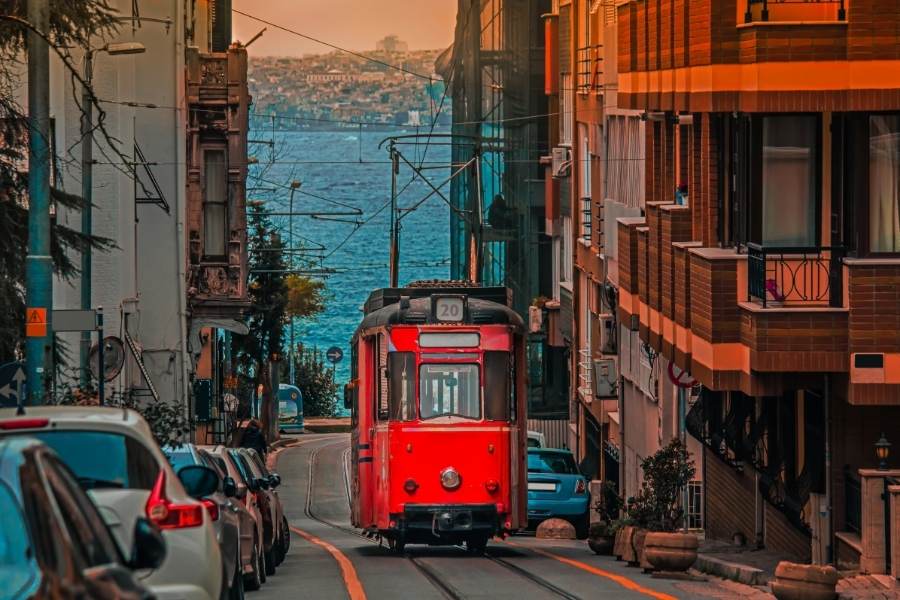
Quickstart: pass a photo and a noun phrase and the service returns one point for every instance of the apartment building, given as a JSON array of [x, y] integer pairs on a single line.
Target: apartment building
[[763, 273], [171, 195]]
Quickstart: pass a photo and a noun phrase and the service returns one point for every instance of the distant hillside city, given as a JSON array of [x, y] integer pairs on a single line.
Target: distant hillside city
[[337, 90]]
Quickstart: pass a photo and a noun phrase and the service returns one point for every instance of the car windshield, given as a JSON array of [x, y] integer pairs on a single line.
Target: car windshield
[[449, 390], [103, 460], [15, 544], [560, 463]]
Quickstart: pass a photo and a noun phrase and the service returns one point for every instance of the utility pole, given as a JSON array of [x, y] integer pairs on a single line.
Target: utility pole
[[87, 182], [395, 234], [38, 264], [295, 185], [87, 186]]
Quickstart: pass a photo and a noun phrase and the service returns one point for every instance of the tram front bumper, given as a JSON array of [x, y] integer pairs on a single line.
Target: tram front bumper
[[447, 522]]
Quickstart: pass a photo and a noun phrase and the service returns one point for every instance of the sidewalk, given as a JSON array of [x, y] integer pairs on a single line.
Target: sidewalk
[[752, 570]]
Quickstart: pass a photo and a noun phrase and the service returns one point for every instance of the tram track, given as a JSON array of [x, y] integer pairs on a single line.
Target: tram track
[[442, 585]]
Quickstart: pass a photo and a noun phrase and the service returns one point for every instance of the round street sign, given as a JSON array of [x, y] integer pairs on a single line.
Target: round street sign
[[334, 355]]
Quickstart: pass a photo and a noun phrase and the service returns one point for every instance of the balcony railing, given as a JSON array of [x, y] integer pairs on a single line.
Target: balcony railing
[[852, 502], [790, 276], [589, 69], [763, 15]]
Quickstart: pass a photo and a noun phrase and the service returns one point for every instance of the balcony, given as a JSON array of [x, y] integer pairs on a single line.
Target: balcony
[[795, 10], [795, 276], [589, 59]]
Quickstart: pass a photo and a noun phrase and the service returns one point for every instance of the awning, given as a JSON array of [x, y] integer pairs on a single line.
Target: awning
[[197, 324]]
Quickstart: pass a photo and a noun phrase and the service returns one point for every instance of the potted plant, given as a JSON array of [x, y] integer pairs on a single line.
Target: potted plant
[[804, 582], [656, 511], [608, 506]]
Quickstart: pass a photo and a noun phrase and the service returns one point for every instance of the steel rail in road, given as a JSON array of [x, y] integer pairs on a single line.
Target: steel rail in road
[[443, 586]]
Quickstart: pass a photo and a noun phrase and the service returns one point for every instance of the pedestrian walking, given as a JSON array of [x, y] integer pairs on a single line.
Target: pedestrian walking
[[254, 438]]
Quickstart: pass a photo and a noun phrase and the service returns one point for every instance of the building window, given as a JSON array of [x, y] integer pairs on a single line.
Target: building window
[[565, 256], [789, 186], [884, 183], [566, 106], [584, 158], [693, 513], [215, 203]]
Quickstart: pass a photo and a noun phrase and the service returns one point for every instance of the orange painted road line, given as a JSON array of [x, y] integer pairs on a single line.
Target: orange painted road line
[[348, 572], [620, 579]]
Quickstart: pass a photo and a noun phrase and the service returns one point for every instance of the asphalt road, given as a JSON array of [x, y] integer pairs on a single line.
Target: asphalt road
[[328, 560]]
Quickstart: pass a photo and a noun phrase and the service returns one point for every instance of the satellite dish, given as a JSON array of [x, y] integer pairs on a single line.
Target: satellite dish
[[113, 358]]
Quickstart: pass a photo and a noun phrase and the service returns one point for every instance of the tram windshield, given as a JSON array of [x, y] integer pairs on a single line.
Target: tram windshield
[[449, 390]]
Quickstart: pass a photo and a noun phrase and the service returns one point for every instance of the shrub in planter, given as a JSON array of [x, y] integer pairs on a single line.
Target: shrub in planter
[[656, 509], [601, 535], [804, 582], [600, 538]]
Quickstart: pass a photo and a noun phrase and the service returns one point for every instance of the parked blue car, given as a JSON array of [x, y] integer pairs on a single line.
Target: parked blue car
[[557, 489]]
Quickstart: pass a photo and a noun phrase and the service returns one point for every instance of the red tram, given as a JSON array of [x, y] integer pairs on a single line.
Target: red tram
[[438, 411]]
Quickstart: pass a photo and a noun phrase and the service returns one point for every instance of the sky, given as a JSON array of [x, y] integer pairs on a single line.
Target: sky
[[352, 24]]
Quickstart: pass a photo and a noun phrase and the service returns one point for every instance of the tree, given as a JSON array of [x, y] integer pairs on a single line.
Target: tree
[[268, 295], [666, 473], [315, 379], [72, 25]]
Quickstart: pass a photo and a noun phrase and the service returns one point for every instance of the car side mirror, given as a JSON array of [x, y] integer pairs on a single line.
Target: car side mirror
[[149, 548], [241, 492], [263, 483], [348, 397], [229, 487], [198, 481], [274, 480]]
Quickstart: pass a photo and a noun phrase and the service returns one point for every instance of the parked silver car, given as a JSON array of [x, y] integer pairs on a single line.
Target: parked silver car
[[224, 513], [255, 571]]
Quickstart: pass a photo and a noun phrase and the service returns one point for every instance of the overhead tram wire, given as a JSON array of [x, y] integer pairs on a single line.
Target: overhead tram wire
[[333, 46]]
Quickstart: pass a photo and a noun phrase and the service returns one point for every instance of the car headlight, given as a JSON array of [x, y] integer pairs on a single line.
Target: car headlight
[[450, 478]]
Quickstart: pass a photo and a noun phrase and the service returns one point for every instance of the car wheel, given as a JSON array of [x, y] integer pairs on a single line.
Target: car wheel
[[254, 581], [237, 584], [270, 559]]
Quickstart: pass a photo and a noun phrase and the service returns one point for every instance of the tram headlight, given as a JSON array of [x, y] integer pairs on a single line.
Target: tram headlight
[[450, 478], [410, 486]]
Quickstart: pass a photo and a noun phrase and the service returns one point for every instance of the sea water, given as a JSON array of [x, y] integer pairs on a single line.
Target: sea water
[[347, 167]]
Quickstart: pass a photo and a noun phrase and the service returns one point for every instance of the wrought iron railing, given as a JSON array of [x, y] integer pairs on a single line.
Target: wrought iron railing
[[852, 503], [588, 65], [749, 16], [795, 275]]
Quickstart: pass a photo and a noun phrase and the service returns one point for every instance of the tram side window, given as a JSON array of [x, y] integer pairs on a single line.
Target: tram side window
[[381, 374], [449, 390], [403, 386], [498, 387]]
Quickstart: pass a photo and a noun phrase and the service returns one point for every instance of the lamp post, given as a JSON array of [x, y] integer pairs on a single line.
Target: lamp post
[[295, 185], [87, 183], [882, 451]]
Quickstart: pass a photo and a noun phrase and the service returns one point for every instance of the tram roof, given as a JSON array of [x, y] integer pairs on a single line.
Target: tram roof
[[386, 296], [481, 310]]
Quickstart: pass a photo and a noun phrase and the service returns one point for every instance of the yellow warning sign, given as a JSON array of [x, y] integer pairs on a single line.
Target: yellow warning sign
[[35, 322]]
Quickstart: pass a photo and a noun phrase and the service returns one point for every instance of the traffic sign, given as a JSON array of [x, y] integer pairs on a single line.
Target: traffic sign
[[12, 384], [35, 322], [334, 355], [74, 320]]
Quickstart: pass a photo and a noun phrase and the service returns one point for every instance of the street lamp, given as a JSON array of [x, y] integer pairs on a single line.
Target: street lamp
[[295, 185], [87, 184], [882, 451]]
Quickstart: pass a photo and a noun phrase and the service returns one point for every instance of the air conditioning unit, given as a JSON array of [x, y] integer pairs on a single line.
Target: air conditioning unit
[[561, 161], [606, 378], [608, 336]]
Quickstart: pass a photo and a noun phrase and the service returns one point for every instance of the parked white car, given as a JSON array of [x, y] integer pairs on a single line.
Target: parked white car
[[114, 456]]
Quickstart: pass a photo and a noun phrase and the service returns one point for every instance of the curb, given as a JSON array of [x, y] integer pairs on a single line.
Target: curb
[[729, 570]]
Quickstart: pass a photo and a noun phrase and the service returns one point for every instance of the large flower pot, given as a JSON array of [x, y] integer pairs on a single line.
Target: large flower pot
[[601, 544], [638, 541], [804, 582], [671, 551], [627, 548], [618, 546]]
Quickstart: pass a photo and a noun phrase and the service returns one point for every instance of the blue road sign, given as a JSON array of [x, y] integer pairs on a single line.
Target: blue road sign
[[334, 355], [12, 383]]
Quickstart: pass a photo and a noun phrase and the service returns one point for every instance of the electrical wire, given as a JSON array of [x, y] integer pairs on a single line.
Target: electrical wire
[[330, 45]]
